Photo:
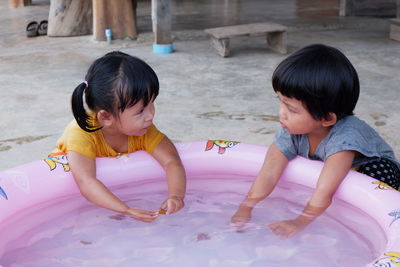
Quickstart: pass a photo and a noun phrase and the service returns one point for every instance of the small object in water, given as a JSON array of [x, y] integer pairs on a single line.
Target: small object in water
[[117, 217], [162, 211], [203, 236], [86, 242]]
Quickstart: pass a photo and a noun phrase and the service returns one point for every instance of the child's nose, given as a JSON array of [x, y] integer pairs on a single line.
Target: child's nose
[[282, 112], [149, 115]]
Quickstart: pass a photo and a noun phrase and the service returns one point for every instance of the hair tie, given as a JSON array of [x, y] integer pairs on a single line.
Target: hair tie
[[86, 84]]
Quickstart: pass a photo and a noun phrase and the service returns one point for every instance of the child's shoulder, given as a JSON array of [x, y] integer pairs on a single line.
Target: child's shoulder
[[73, 129], [352, 123], [352, 127]]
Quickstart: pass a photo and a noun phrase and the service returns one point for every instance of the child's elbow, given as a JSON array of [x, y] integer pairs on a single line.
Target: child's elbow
[[174, 163]]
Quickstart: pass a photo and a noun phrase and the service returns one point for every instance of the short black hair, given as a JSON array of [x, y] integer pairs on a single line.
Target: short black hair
[[321, 77], [114, 82]]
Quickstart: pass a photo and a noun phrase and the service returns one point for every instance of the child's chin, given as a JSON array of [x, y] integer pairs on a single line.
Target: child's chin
[[141, 132]]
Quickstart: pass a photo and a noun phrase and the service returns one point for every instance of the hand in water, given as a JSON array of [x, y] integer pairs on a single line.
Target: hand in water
[[172, 205], [241, 217], [142, 215], [289, 228]]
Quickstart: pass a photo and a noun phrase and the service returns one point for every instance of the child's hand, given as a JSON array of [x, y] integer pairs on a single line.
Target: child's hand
[[172, 204], [288, 228], [142, 215], [241, 217]]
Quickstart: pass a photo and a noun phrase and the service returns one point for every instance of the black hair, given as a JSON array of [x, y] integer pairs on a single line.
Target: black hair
[[322, 78], [113, 83]]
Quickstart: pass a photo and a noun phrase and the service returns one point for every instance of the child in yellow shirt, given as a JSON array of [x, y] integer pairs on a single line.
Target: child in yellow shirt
[[119, 92]]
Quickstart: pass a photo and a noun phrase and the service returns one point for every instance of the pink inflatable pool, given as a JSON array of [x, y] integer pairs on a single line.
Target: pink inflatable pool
[[44, 221]]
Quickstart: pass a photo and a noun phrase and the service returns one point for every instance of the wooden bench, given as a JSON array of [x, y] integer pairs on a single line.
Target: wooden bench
[[276, 36]]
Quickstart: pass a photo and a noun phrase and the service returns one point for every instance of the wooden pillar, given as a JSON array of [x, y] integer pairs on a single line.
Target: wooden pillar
[[394, 32], [398, 9], [69, 18], [19, 3], [161, 12], [346, 8], [117, 15]]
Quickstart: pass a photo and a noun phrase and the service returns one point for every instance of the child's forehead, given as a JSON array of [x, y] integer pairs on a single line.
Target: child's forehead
[[291, 101], [138, 104], [289, 98]]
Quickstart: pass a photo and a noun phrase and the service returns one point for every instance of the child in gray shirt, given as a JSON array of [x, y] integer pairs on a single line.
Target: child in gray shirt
[[318, 89], [375, 157]]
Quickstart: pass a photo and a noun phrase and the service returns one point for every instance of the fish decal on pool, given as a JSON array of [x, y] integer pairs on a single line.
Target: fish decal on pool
[[395, 214], [383, 186], [221, 144], [3, 193], [392, 259], [53, 159]]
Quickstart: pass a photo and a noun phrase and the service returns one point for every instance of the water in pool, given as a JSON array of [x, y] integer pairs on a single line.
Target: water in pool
[[199, 235]]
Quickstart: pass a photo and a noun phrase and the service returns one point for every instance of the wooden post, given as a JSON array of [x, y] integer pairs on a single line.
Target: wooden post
[[161, 10], [394, 32], [277, 41], [221, 46], [346, 8], [398, 9], [19, 3], [69, 18], [117, 15]]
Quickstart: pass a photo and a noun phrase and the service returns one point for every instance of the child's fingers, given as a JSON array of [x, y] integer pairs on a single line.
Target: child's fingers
[[174, 205], [273, 225], [282, 230], [171, 206], [144, 212], [142, 215], [239, 222], [238, 225], [164, 205], [277, 228], [143, 219]]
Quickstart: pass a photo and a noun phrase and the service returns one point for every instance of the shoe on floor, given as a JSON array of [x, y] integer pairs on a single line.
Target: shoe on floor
[[32, 29], [42, 29]]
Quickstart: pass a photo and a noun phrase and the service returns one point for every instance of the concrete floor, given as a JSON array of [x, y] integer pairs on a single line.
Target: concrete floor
[[202, 96]]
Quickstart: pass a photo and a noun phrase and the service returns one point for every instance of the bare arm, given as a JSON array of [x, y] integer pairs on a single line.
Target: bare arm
[[84, 172], [334, 171], [165, 153], [265, 182]]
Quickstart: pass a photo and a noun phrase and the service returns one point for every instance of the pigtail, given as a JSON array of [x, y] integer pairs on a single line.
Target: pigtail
[[78, 108]]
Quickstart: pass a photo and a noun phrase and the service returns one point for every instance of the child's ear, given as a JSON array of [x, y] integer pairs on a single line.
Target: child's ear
[[331, 120], [105, 118]]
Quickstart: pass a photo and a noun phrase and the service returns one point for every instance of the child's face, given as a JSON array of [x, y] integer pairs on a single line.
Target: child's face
[[136, 120], [295, 118]]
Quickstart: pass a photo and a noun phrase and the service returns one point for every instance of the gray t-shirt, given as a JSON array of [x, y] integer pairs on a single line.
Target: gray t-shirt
[[349, 133]]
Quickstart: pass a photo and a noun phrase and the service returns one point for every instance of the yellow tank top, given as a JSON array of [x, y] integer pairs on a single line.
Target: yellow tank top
[[94, 144]]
